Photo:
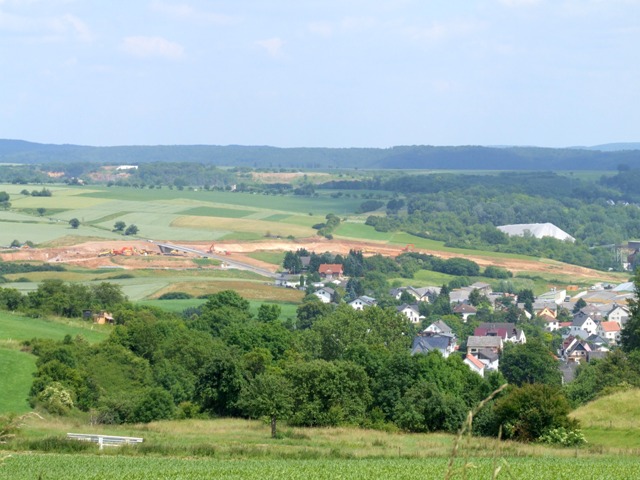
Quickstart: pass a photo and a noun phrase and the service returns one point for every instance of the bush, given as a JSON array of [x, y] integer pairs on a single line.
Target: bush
[[59, 445], [563, 437], [175, 296], [55, 399], [528, 412]]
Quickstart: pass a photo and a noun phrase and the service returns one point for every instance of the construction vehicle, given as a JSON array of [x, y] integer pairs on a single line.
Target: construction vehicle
[[409, 247]]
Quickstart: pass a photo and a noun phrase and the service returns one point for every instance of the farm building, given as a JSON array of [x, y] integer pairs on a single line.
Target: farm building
[[538, 230]]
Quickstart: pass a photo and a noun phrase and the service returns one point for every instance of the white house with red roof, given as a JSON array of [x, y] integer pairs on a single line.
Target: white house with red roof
[[610, 331], [474, 364], [330, 271]]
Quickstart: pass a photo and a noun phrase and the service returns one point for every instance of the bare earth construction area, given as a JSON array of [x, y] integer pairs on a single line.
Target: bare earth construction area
[[87, 254]]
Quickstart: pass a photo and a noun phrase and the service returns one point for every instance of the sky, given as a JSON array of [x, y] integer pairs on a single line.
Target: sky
[[320, 73]]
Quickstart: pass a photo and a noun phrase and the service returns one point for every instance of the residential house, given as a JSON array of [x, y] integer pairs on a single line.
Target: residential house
[[325, 294], [583, 323], [459, 295], [361, 302], [610, 331], [578, 352], [593, 311], [412, 312], [545, 308], [464, 310], [618, 314], [329, 271], [508, 332], [305, 260], [482, 287], [439, 327], [474, 364], [551, 323], [490, 359], [476, 343], [598, 343], [445, 344], [424, 294], [287, 280]]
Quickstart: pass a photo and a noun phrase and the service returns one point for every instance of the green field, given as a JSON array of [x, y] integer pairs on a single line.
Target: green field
[[19, 328], [16, 369], [72, 467], [163, 214]]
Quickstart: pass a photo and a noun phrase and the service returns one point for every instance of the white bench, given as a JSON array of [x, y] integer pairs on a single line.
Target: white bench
[[105, 440]]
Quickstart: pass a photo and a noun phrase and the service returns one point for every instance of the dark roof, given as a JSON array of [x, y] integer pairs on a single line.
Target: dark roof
[[464, 308], [427, 344], [487, 355]]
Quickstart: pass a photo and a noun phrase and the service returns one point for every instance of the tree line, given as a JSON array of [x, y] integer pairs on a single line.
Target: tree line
[[330, 366]]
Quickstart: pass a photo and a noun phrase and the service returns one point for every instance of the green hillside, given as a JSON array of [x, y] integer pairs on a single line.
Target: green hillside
[[17, 367], [612, 421]]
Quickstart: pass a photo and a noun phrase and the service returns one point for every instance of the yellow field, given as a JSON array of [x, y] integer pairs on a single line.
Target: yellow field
[[242, 225]]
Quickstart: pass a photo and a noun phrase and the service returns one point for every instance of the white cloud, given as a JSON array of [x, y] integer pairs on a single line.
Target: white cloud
[[55, 28], [141, 46], [185, 11], [273, 46]]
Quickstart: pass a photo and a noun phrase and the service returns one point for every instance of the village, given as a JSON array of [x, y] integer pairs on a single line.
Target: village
[[589, 321]]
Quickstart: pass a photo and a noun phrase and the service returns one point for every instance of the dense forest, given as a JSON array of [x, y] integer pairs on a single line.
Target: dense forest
[[400, 157]]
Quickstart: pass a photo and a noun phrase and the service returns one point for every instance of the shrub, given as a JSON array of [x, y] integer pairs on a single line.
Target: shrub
[[175, 296], [563, 437]]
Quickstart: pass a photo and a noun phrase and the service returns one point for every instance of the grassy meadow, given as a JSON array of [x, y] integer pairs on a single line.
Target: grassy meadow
[[234, 448], [16, 367]]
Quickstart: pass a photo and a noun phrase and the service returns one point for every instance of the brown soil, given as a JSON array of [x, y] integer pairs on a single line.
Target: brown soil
[[86, 254]]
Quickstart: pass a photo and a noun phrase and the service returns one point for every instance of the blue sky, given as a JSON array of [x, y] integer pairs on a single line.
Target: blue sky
[[330, 73]]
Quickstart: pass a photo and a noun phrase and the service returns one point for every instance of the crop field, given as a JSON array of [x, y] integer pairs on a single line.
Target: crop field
[[250, 290], [164, 214], [81, 467]]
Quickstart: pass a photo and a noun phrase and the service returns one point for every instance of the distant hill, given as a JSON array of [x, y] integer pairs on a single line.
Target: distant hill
[[401, 157], [613, 147]]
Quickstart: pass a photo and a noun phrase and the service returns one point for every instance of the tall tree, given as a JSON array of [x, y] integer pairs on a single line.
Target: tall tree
[[630, 336], [267, 395], [531, 362]]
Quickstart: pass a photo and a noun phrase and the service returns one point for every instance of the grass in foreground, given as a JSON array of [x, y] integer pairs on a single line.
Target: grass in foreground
[[233, 448], [81, 467]]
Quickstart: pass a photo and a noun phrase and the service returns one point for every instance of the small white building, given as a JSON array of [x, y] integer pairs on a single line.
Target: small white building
[[362, 302], [325, 294], [412, 312]]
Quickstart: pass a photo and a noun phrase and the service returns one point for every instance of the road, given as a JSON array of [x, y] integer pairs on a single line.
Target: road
[[222, 258]]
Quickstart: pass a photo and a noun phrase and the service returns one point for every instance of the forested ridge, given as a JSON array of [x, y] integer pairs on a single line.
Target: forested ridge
[[399, 157]]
